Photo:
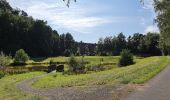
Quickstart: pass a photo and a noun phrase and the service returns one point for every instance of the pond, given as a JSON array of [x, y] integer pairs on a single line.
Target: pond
[[25, 68]]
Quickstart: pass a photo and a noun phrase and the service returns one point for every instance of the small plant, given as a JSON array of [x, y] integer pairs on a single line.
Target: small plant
[[21, 57], [126, 58], [52, 62], [81, 66], [73, 63], [4, 60], [76, 66], [2, 74]]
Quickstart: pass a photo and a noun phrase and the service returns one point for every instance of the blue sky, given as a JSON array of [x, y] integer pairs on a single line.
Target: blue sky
[[88, 20]]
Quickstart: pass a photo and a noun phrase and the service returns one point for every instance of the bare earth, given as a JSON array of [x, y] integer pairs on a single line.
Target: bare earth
[[157, 88], [102, 92]]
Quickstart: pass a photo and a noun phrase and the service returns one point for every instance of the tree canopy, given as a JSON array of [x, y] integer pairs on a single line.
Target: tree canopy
[[139, 44], [162, 8]]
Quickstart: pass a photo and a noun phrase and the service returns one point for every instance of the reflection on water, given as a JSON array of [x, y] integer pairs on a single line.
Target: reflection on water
[[25, 68]]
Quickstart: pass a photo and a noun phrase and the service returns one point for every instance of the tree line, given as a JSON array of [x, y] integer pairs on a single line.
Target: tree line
[[138, 44], [20, 31]]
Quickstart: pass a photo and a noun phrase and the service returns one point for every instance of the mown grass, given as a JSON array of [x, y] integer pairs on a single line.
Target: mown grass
[[143, 70], [8, 89]]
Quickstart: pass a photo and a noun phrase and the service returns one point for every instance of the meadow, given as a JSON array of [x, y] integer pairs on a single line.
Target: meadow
[[138, 73]]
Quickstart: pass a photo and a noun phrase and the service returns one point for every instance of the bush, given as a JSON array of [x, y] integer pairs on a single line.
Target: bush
[[2, 74], [75, 66], [73, 63], [67, 53], [4, 60], [126, 58], [21, 57], [81, 66]]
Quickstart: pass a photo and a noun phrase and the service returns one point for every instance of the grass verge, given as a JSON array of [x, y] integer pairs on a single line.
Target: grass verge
[[8, 89]]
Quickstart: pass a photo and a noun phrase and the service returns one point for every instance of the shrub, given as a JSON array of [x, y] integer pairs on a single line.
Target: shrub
[[21, 57], [67, 53], [4, 60], [73, 63], [52, 62], [2, 74], [81, 66], [76, 66], [126, 58]]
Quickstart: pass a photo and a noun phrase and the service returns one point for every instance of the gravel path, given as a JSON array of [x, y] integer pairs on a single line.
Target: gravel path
[[71, 93], [157, 88]]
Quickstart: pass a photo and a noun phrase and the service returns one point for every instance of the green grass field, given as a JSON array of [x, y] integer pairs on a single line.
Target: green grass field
[[8, 89], [140, 72], [143, 70]]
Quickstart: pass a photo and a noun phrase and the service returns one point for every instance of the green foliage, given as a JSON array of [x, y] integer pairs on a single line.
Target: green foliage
[[21, 56], [111, 45], [126, 58], [73, 64], [138, 44], [34, 36], [4, 60], [2, 74], [67, 53], [81, 66], [162, 8], [76, 66]]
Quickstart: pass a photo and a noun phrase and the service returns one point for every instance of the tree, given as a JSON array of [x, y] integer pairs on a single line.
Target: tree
[[34, 36], [136, 40], [69, 42], [68, 2], [21, 57], [126, 58], [4, 5], [100, 46], [152, 43], [162, 8], [121, 42], [108, 47]]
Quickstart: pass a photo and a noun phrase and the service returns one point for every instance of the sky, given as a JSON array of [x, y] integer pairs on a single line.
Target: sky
[[89, 20]]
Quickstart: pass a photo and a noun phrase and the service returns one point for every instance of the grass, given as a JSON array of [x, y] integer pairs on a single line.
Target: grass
[[91, 59], [8, 89], [143, 70], [140, 72]]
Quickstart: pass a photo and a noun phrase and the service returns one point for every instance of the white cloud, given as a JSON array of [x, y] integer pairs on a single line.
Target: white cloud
[[151, 28], [148, 4], [62, 17]]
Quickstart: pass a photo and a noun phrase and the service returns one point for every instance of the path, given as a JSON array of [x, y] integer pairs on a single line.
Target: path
[[157, 88], [70, 93]]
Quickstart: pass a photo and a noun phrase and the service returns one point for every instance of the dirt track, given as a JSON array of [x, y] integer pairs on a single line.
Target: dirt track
[[72, 93], [157, 88]]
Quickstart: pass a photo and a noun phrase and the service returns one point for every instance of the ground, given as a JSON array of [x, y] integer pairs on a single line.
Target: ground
[[157, 88], [109, 84]]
